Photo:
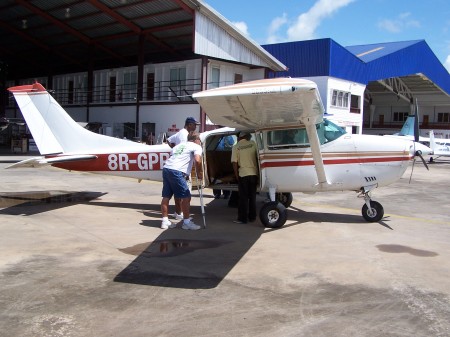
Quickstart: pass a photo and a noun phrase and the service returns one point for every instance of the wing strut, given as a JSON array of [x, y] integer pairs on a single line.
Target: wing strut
[[310, 124]]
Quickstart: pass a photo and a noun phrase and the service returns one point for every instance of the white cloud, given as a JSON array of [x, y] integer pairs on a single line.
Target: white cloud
[[306, 24], [391, 26], [304, 27], [274, 27], [402, 22], [242, 26], [447, 63]]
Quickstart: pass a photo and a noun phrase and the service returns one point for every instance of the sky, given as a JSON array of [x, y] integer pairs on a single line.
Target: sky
[[347, 22]]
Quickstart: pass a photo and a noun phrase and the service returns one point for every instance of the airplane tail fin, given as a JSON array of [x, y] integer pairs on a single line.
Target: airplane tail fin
[[408, 126], [53, 130]]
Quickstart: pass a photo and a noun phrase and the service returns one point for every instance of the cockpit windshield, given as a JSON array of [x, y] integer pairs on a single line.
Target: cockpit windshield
[[297, 137], [328, 131]]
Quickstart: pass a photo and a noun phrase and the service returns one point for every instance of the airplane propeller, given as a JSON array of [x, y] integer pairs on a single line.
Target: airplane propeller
[[417, 153]]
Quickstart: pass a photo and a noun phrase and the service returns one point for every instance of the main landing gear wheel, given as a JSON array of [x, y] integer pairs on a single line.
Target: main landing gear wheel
[[376, 212], [285, 198], [273, 214]]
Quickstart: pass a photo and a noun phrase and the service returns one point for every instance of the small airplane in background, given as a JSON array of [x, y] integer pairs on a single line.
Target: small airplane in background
[[321, 158], [408, 133], [439, 147]]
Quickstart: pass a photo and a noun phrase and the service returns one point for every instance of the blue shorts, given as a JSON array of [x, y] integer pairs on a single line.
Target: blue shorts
[[174, 183]]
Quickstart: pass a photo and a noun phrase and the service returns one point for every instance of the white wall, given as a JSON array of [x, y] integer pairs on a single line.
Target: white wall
[[227, 71], [164, 116], [340, 115]]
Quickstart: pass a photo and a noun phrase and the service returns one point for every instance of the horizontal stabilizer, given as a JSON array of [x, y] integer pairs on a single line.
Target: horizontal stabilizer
[[42, 161]]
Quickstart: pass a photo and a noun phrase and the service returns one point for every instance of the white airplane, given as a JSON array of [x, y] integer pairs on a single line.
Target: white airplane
[[439, 147], [321, 158]]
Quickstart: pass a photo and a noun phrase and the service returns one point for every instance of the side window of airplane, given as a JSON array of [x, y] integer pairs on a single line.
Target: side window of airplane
[[294, 138], [288, 138]]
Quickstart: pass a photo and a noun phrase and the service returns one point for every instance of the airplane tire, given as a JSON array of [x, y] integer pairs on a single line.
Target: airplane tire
[[377, 212], [273, 214], [285, 198]]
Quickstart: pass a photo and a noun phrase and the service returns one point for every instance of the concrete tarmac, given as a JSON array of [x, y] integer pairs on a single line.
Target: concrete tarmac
[[83, 255]]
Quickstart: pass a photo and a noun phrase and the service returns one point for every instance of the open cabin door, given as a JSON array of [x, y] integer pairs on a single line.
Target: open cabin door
[[217, 148]]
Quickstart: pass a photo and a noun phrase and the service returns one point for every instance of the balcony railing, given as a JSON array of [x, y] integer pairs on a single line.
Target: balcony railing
[[162, 91], [398, 125]]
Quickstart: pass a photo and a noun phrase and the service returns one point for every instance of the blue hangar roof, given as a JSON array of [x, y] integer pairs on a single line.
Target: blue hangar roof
[[362, 64]]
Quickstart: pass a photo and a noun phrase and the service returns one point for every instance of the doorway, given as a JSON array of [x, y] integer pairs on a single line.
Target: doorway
[[148, 133]]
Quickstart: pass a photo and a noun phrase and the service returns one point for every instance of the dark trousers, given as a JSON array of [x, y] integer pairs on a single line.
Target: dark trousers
[[217, 193], [247, 198]]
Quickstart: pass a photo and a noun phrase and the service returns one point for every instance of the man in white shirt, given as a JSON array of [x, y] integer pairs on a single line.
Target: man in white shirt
[[181, 137], [175, 174]]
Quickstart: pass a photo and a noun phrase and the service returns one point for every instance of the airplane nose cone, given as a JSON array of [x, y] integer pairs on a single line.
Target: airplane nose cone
[[418, 147], [412, 150]]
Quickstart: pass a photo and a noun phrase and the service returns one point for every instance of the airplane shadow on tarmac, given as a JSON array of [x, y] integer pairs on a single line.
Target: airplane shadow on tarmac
[[202, 259], [190, 259]]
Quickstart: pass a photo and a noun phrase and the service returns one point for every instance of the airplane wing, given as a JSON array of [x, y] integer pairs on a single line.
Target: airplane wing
[[42, 161], [269, 103], [263, 103]]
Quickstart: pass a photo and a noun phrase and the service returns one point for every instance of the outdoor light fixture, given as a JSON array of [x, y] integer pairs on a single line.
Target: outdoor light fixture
[[24, 24], [67, 15]]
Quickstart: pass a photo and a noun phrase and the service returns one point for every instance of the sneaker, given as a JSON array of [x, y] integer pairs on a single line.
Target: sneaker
[[177, 216], [167, 224], [192, 226]]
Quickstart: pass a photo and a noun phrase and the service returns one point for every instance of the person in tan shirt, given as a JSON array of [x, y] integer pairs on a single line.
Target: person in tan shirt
[[245, 166]]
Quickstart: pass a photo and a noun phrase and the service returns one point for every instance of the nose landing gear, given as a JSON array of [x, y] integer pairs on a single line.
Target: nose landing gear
[[372, 211]]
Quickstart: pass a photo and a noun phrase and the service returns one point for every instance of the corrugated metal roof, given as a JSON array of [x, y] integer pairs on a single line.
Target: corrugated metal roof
[[364, 63], [216, 36], [370, 52]]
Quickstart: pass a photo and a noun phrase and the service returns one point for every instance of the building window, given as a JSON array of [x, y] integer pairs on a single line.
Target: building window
[[334, 98], [354, 104], [339, 102], [129, 90], [443, 117], [70, 93], [151, 86], [340, 98], [177, 81], [400, 116], [112, 89], [215, 78], [345, 101]]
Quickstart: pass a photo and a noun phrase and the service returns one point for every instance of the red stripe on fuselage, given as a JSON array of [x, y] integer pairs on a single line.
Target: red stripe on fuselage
[[333, 161]]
